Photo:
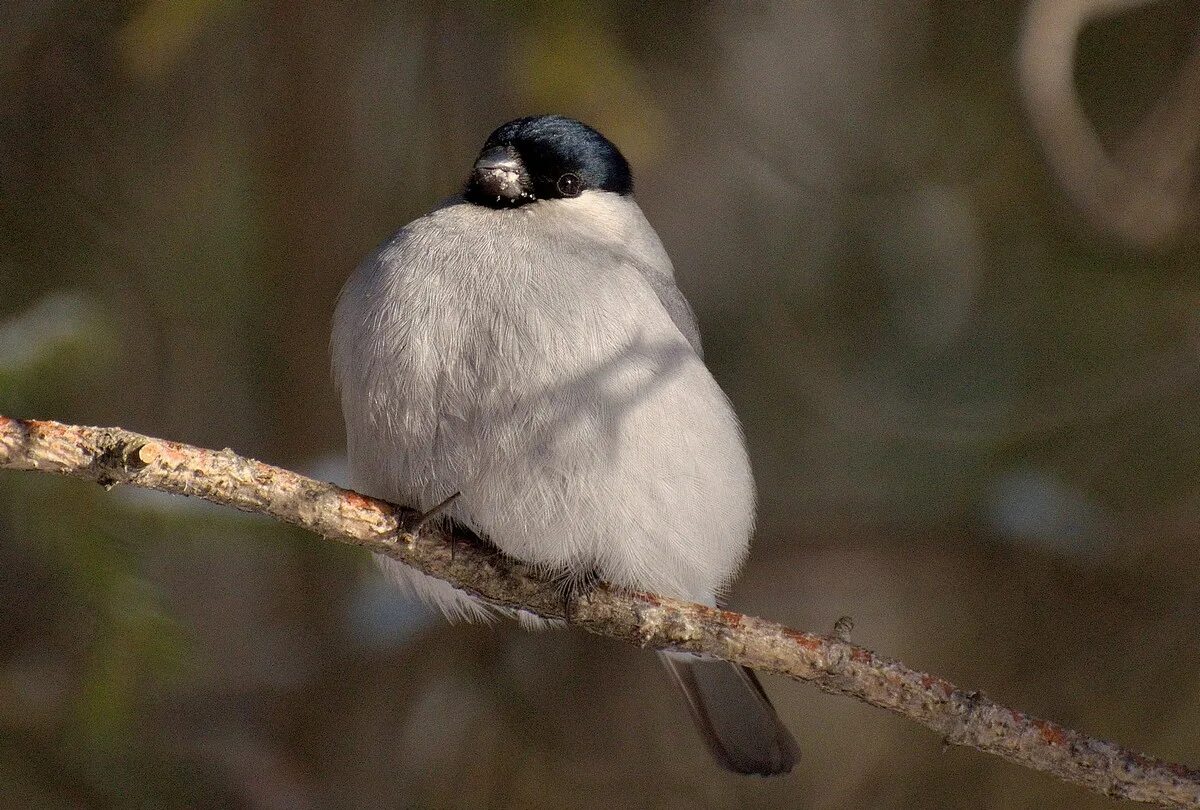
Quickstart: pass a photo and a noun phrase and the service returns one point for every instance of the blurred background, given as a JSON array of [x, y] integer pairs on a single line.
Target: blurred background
[[943, 256]]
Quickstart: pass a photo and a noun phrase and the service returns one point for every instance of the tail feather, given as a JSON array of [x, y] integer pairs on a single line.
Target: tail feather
[[734, 715]]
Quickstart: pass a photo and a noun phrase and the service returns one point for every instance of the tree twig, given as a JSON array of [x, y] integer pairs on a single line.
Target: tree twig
[[112, 456], [1141, 191]]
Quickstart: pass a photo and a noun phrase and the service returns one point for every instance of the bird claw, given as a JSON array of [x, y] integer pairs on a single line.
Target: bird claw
[[409, 526], [577, 586]]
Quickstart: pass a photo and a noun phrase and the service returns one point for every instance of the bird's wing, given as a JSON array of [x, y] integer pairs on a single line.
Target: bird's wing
[[676, 306]]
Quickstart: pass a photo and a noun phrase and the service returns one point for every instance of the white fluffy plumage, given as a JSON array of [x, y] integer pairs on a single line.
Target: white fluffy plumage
[[541, 361]]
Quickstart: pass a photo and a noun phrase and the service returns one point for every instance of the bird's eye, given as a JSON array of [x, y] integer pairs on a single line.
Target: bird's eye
[[569, 185]]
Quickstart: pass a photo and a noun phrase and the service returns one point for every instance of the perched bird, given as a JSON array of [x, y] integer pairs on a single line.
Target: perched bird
[[524, 347]]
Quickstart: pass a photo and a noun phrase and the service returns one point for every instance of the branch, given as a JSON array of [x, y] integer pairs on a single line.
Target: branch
[[112, 456]]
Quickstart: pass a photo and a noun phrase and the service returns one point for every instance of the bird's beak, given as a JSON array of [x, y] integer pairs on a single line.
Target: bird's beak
[[499, 173]]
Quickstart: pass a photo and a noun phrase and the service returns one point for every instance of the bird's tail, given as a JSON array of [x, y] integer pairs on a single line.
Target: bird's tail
[[734, 715]]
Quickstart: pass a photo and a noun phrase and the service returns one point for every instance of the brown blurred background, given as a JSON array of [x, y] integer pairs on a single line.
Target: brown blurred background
[[954, 301]]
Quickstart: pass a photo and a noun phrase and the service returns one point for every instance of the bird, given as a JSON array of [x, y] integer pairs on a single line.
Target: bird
[[521, 358]]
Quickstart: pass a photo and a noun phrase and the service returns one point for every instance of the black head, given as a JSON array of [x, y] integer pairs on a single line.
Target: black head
[[545, 157]]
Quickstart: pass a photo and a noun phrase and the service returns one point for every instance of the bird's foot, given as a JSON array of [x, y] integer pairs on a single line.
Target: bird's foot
[[410, 525], [577, 586]]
